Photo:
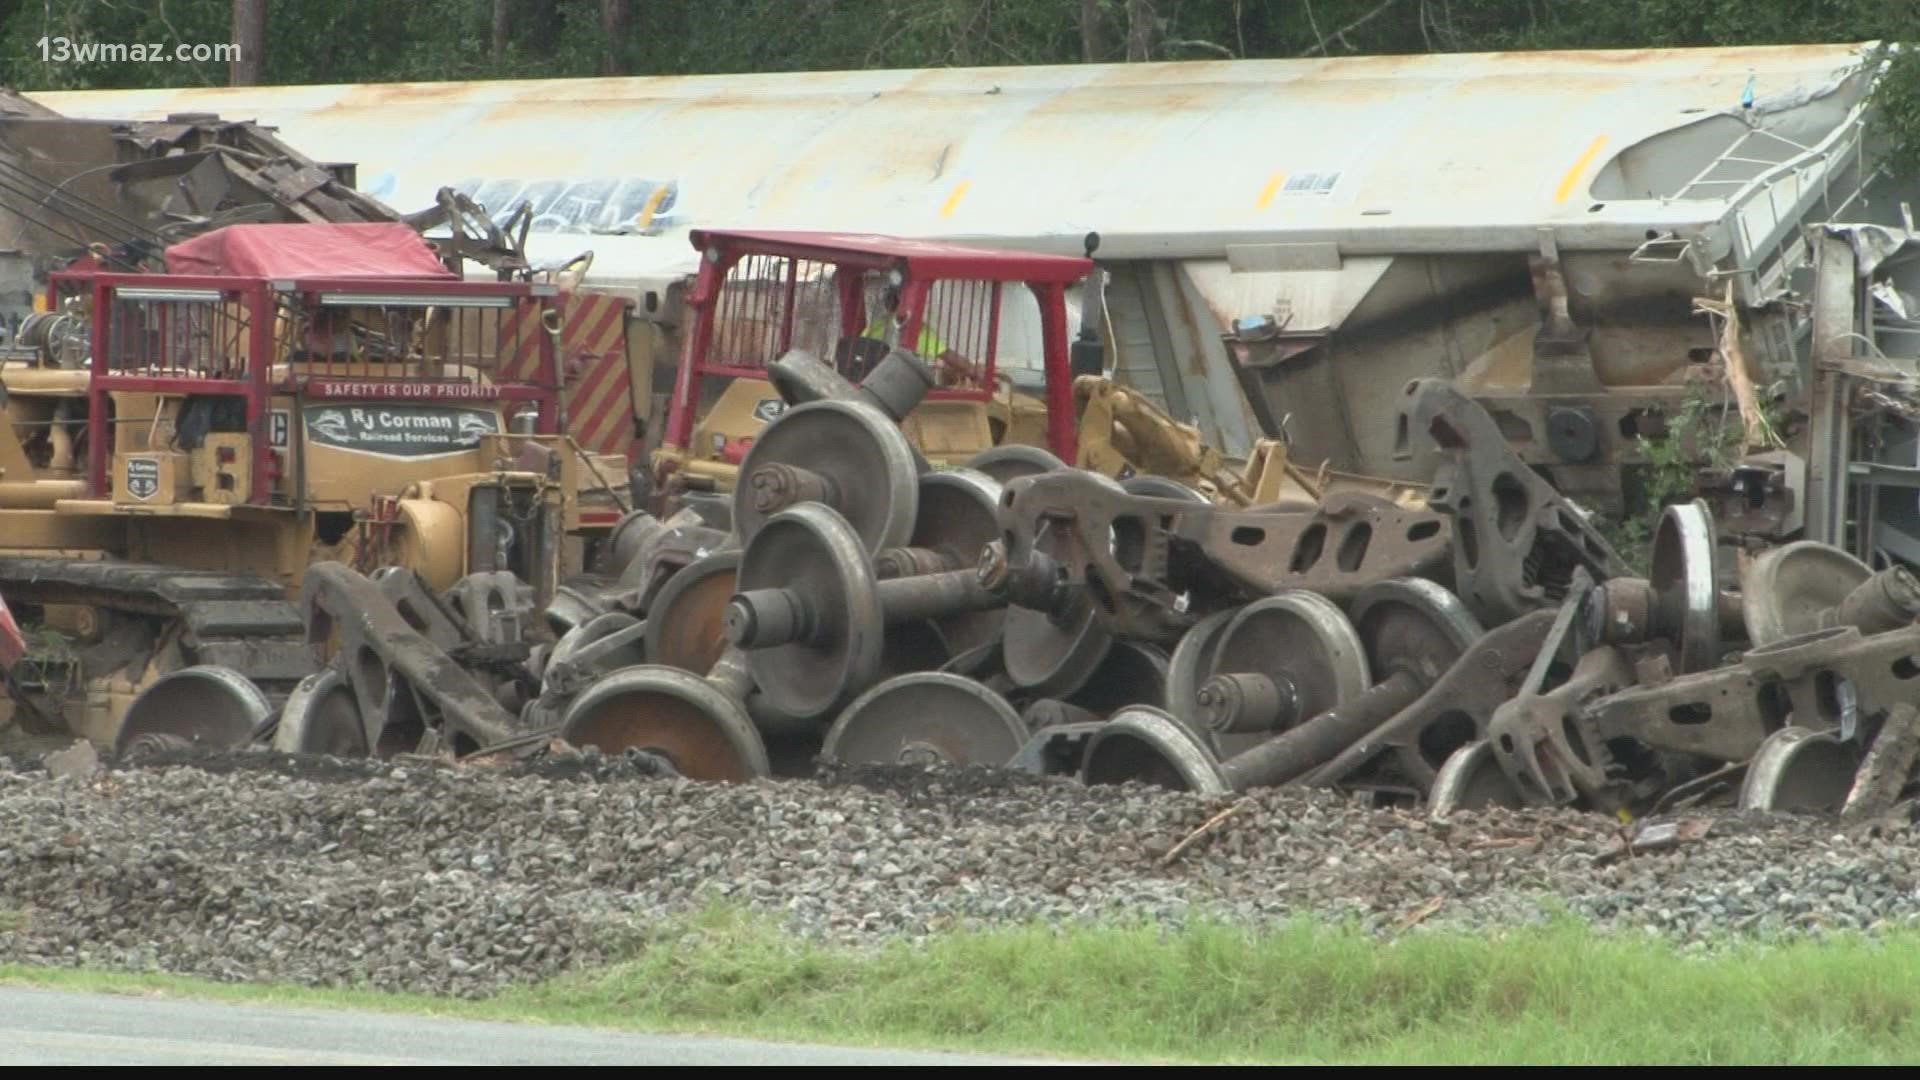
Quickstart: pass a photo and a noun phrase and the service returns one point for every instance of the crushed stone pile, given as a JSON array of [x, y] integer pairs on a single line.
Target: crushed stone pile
[[412, 875]]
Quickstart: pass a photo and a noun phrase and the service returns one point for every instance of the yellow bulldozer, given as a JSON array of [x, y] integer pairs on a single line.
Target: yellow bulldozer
[[181, 447]]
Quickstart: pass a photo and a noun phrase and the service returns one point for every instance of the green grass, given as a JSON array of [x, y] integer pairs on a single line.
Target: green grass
[[1209, 993]]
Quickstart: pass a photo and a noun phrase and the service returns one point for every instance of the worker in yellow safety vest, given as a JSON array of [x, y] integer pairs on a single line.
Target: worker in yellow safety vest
[[929, 345]]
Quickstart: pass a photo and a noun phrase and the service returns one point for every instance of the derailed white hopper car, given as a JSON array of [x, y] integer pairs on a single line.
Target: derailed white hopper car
[[1286, 241]]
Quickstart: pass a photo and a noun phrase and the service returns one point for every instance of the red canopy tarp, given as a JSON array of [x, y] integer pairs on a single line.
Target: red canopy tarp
[[310, 250]]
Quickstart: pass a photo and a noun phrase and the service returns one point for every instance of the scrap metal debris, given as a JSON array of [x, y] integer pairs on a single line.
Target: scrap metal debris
[[1656, 836], [853, 606]]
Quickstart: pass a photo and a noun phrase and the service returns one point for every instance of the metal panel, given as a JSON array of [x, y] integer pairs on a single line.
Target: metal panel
[[1169, 348], [1181, 362], [1829, 435], [598, 387], [1137, 348], [1377, 154], [1231, 425], [1301, 301]]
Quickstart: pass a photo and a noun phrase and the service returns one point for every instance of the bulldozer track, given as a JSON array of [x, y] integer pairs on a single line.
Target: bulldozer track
[[234, 620]]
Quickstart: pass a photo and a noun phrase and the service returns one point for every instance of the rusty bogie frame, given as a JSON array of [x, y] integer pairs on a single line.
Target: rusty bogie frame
[[1519, 541], [1619, 728], [1831, 679], [1154, 565], [410, 693], [1407, 752]]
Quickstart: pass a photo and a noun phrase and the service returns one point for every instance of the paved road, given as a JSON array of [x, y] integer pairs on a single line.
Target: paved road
[[46, 1027]]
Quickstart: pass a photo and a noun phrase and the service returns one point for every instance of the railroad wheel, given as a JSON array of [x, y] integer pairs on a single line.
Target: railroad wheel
[[1471, 779], [852, 446], [678, 716], [1142, 744], [810, 550], [202, 706], [322, 716], [1014, 460], [1299, 639], [958, 516], [1685, 593], [1192, 664], [1798, 768], [1131, 674], [685, 624], [927, 718], [1412, 625]]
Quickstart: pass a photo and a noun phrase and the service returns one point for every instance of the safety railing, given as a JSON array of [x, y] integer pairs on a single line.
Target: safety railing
[[320, 339], [769, 304], [179, 336], [1770, 207], [474, 341], [959, 335]]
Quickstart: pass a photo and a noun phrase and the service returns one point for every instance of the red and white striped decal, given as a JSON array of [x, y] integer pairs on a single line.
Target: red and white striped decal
[[593, 340], [593, 363]]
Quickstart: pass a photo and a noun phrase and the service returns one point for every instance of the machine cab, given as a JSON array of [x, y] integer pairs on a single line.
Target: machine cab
[[848, 299], [407, 416]]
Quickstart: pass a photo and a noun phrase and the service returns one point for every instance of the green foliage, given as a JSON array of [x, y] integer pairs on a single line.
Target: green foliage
[[1705, 433], [1896, 115], [105, 22], [1303, 993], [46, 642]]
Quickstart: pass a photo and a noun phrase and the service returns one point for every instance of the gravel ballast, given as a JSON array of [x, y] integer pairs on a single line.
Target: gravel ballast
[[419, 876]]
